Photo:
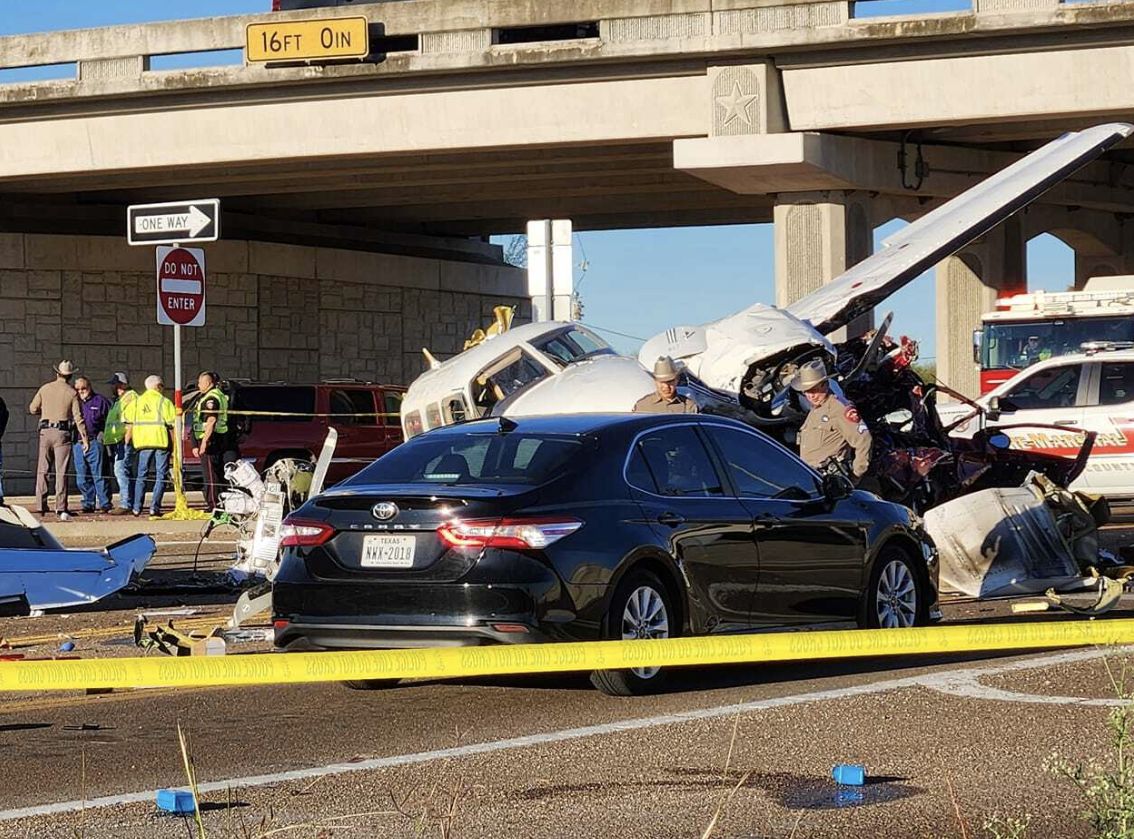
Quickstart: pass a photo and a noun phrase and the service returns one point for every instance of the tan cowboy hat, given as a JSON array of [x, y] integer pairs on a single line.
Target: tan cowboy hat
[[665, 370], [810, 375], [65, 368]]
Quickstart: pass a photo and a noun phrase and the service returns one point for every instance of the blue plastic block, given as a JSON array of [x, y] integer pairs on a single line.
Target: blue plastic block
[[178, 801], [67, 646], [849, 774]]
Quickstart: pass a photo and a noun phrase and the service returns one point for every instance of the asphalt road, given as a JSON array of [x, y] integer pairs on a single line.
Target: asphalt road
[[947, 744]]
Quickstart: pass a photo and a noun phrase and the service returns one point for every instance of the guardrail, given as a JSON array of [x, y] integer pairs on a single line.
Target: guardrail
[[439, 27]]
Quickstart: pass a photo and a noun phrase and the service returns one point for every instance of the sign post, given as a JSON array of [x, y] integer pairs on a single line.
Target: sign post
[[180, 302], [180, 291]]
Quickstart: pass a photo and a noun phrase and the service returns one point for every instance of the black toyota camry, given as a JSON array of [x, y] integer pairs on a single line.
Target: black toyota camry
[[589, 526]]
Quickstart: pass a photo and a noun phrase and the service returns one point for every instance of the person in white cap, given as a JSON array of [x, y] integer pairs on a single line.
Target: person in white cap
[[665, 399], [60, 422], [833, 429], [149, 429]]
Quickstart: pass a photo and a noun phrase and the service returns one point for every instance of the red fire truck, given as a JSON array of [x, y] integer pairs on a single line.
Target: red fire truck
[[1026, 328]]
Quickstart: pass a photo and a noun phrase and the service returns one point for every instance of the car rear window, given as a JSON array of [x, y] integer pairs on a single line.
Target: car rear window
[[288, 403], [474, 459]]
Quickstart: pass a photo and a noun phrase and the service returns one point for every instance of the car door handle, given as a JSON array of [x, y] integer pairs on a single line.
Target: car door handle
[[671, 519], [764, 520], [1066, 422]]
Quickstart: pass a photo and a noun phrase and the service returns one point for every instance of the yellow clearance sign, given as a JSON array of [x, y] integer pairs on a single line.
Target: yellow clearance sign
[[307, 40]]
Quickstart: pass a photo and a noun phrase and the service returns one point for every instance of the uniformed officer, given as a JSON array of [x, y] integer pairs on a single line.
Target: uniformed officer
[[212, 441], [60, 423], [665, 399], [833, 428]]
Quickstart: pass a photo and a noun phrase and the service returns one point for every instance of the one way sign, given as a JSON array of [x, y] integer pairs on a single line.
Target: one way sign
[[173, 223]]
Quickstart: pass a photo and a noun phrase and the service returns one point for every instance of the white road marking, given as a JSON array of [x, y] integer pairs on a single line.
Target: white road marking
[[936, 681]]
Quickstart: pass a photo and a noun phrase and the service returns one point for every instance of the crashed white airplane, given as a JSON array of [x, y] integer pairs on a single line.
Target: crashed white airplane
[[555, 367]]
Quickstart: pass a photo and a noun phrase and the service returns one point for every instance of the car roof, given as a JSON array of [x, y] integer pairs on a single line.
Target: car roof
[[577, 423]]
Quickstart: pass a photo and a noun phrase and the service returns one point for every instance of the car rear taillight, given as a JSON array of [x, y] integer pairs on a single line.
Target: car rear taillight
[[301, 533], [506, 533]]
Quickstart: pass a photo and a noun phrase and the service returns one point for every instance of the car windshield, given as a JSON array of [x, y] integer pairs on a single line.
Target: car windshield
[[1019, 344], [474, 459]]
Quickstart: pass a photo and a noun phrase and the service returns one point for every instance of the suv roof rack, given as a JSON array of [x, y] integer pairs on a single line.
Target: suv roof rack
[[1092, 347], [351, 380]]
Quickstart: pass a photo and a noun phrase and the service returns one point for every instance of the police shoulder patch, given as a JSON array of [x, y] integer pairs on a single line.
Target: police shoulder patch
[[851, 414]]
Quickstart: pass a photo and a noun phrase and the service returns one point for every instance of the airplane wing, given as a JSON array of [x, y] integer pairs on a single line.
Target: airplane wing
[[951, 226]]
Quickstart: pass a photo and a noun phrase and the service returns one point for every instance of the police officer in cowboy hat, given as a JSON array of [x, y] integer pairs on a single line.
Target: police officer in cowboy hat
[[60, 423], [833, 429], [665, 398]]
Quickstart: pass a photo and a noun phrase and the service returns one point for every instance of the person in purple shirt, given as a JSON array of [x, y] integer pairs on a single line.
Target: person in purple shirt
[[88, 465]]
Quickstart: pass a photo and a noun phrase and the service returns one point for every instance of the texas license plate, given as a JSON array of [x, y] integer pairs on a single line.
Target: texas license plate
[[388, 551]]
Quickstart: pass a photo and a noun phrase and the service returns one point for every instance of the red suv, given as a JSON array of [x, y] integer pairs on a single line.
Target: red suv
[[295, 420]]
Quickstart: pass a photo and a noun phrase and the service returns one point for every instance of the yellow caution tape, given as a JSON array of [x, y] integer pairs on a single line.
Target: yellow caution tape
[[236, 413], [452, 662]]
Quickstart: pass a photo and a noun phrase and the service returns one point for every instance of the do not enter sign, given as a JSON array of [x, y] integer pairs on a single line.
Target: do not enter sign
[[180, 286]]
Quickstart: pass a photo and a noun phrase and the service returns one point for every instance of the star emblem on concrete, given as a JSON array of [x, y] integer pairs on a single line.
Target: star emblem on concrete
[[736, 105]]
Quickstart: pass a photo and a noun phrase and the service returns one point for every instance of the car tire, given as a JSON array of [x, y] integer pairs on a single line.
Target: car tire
[[625, 620], [897, 594], [371, 684]]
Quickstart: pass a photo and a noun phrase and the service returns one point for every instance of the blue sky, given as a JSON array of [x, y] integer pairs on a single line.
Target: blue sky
[[637, 282]]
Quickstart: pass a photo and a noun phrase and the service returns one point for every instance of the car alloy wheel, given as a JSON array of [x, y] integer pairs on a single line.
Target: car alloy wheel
[[895, 599], [644, 616]]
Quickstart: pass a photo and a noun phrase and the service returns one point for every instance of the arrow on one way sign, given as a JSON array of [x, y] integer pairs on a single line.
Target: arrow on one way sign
[[173, 223]]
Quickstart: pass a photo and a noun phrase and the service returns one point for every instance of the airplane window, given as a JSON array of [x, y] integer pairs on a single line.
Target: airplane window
[[587, 342], [504, 377], [455, 410], [571, 345], [559, 350]]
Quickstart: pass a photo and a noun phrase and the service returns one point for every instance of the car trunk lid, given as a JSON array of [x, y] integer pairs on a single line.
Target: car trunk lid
[[391, 533]]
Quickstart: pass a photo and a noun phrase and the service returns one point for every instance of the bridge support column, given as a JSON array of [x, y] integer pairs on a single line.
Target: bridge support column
[[818, 235], [968, 284]]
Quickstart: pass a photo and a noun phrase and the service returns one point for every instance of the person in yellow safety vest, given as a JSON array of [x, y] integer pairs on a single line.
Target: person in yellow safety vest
[[213, 441], [114, 438], [149, 421]]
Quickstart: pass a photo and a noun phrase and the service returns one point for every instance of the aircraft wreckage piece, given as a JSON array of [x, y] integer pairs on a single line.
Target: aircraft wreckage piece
[[745, 352], [36, 572], [1020, 540]]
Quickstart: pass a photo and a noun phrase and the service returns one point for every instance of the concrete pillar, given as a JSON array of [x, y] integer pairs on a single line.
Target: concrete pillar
[[968, 284], [818, 235], [551, 267], [1089, 265]]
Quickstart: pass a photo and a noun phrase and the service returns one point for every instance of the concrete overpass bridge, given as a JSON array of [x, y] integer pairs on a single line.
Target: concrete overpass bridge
[[364, 191]]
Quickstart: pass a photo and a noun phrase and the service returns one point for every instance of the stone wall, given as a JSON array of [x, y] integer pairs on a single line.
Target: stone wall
[[273, 312]]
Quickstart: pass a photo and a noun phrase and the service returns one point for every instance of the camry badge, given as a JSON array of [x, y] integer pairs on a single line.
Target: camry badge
[[384, 510]]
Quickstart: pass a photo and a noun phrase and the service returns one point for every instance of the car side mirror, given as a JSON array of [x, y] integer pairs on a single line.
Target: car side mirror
[[978, 336], [836, 487], [992, 412]]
